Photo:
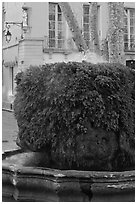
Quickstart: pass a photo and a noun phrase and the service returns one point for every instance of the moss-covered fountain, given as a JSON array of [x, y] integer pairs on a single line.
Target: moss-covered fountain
[[76, 134]]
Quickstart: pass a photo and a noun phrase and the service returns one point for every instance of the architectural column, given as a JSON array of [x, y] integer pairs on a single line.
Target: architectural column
[[116, 32]]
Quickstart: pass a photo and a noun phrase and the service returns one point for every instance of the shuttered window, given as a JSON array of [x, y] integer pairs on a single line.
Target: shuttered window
[[86, 33], [129, 30], [56, 39]]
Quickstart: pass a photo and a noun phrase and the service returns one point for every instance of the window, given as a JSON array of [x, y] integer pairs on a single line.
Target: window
[[129, 30], [56, 39], [86, 32]]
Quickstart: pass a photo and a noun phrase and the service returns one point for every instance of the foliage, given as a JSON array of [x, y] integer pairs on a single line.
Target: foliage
[[54, 103]]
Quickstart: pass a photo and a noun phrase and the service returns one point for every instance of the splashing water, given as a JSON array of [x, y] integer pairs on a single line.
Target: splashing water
[[93, 57], [88, 56]]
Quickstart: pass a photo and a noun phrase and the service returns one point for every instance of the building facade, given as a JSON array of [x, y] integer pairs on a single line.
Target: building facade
[[48, 32]]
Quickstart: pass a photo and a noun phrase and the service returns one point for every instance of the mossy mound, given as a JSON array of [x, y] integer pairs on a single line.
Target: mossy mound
[[81, 114]]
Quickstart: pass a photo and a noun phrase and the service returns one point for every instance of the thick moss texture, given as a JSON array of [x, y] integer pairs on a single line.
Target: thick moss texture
[[79, 114]]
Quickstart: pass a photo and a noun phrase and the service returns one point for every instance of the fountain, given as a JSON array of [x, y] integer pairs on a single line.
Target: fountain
[[62, 167]]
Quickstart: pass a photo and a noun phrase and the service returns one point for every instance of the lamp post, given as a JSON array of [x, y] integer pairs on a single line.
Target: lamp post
[[23, 24], [8, 33], [8, 36]]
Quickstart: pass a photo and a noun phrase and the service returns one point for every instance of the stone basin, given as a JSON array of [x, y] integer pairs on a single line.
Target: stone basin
[[24, 180]]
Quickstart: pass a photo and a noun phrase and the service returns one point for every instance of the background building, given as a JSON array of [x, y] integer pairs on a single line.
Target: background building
[[47, 32]]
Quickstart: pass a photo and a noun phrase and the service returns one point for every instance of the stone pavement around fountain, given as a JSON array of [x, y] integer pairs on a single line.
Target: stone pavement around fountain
[[9, 131]]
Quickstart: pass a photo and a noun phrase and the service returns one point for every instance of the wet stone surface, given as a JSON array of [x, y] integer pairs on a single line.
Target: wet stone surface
[[9, 131]]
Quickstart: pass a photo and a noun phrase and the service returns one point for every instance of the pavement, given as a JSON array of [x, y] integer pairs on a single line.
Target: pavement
[[9, 131]]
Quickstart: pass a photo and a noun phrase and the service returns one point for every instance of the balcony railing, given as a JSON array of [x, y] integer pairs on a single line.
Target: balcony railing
[[129, 45], [59, 45], [69, 45]]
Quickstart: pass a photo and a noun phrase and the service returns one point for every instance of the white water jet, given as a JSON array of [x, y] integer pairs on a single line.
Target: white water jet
[[87, 56]]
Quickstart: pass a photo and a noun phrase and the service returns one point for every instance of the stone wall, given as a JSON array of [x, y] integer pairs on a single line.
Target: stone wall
[[30, 53]]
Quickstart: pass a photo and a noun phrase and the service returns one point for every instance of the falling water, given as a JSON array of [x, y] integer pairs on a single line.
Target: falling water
[[87, 56]]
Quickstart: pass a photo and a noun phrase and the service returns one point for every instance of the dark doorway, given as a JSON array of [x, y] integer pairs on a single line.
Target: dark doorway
[[130, 63]]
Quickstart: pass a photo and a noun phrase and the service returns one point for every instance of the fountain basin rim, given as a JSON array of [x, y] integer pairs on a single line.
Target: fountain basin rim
[[57, 173], [38, 184]]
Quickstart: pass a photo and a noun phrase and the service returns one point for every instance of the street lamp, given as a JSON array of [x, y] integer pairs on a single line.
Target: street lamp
[[24, 24], [8, 33], [8, 36]]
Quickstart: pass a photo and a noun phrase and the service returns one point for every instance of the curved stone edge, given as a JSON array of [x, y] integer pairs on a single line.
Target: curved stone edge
[[57, 173], [7, 153], [20, 182]]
